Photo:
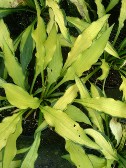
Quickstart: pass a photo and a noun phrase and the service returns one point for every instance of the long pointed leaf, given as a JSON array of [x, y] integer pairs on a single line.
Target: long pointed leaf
[[76, 114], [39, 36], [85, 39], [78, 23], [10, 61], [111, 5], [88, 57], [82, 88], [66, 127], [68, 97], [26, 47], [8, 127], [55, 65], [105, 70], [82, 8], [32, 155], [121, 19], [123, 87], [100, 8], [19, 97], [81, 25], [107, 105], [59, 18], [106, 147], [78, 155], [97, 162], [10, 148], [50, 45]]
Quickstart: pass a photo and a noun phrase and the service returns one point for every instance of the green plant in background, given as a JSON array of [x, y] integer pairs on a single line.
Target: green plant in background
[[43, 41]]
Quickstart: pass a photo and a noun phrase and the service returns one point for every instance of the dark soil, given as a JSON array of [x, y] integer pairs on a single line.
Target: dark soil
[[50, 151]]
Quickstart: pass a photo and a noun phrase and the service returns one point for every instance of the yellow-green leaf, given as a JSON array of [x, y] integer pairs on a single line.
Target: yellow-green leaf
[[80, 24], [111, 50], [116, 129], [111, 5], [100, 8], [106, 147], [55, 66], [121, 19], [78, 155], [59, 18], [8, 127], [77, 115], [11, 63], [123, 87], [85, 39], [97, 162], [109, 106], [105, 70], [19, 97], [95, 91], [96, 117], [66, 127], [10, 148], [39, 36], [64, 42], [82, 88], [88, 57], [50, 45], [122, 16], [68, 97], [51, 21]]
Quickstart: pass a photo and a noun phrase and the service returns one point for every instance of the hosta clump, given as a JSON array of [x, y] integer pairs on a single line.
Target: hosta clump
[[42, 42]]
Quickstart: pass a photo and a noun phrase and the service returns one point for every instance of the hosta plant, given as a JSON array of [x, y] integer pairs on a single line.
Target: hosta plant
[[62, 100]]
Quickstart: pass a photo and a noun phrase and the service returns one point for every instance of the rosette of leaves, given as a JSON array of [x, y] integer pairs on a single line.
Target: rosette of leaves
[[57, 106]]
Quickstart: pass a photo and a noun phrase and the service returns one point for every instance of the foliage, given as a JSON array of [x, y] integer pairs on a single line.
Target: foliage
[[62, 100]]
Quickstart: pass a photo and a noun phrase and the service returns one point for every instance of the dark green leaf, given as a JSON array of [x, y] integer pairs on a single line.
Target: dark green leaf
[[26, 47]]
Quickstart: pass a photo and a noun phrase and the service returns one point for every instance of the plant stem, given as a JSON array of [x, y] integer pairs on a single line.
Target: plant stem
[[103, 88], [107, 125], [59, 84], [33, 82], [84, 79]]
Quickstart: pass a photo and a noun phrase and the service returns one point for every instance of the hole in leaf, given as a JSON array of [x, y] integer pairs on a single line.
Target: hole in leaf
[[74, 125]]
